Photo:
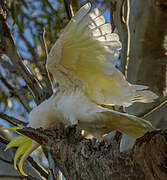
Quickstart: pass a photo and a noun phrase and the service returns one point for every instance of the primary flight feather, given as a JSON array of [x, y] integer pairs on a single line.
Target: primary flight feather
[[83, 61]]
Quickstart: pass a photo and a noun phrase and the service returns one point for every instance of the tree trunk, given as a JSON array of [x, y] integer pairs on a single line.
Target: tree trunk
[[145, 63]]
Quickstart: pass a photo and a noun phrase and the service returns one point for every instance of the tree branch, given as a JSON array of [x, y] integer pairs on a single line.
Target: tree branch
[[4, 133], [12, 120], [38, 167], [79, 159], [6, 65], [14, 92], [8, 47], [112, 9], [69, 9], [152, 110], [45, 72], [50, 6], [4, 141]]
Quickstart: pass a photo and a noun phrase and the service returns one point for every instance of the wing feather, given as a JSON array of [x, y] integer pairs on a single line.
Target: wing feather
[[82, 12], [101, 30], [89, 49], [97, 22]]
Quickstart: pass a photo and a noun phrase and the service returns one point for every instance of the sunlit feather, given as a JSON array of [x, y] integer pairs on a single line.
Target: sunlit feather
[[83, 62]]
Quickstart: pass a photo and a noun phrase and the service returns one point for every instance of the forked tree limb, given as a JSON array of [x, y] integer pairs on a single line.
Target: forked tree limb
[[80, 159]]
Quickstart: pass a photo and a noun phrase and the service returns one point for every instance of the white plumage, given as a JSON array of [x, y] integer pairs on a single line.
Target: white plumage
[[83, 61], [85, 56]]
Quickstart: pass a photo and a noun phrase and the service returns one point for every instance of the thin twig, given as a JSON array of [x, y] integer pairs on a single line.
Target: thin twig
[[4, 160], [8, 47], [69, 9], [31, 49], [14, 92], [3, 140], [6, 65], [123, 12], [128, 38], [12, 176], [5, 133], [53, 11], [12, 120], [154, 109], [44, 42], [46, 74], [112, 9], [121, 16], [50, 6], [38, 167]]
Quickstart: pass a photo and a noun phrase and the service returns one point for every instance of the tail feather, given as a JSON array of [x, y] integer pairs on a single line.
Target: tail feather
[[128, 124], [143, 95], [107, 120]]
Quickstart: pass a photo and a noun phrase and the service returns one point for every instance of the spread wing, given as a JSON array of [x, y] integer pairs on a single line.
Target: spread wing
[[89, 49]]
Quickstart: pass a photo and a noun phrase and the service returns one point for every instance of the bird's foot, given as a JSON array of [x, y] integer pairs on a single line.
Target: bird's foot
[[97, 143], [71, 129]]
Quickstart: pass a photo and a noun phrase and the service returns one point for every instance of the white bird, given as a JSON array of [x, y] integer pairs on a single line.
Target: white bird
[[83, 61]]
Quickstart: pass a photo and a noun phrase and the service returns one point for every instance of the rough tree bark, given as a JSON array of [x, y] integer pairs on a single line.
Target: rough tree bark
[[80, 159]]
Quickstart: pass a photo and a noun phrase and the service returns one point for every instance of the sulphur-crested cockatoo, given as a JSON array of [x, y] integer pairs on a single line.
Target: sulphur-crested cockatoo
[[83, 61]]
